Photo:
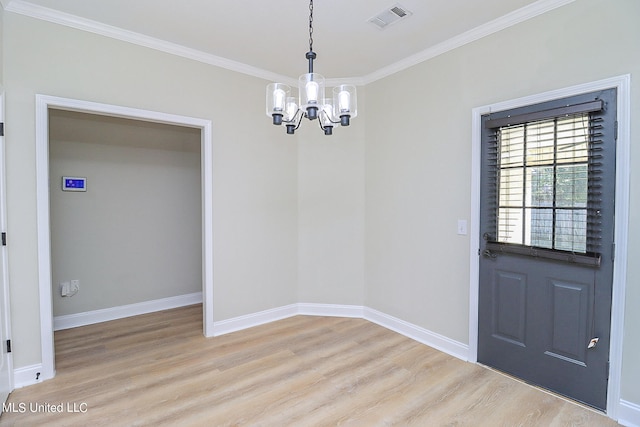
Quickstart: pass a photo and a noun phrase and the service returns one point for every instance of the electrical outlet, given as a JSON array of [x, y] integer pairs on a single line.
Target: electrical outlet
[[75, 286]]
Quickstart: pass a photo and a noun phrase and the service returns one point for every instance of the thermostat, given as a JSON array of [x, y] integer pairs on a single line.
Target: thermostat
[[74, 183]]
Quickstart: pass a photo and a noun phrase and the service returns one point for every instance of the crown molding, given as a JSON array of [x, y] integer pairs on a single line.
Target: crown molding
[[46, 14], [356, 81], [50, 15], [517, 16]]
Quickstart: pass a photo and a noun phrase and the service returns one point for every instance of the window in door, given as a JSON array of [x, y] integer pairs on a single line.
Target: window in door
[[545, 172]]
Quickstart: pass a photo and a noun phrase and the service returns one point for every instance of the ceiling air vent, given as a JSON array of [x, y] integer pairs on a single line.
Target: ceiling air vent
[[389, 16]]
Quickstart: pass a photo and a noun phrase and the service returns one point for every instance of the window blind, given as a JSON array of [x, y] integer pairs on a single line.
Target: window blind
[[545, 196]]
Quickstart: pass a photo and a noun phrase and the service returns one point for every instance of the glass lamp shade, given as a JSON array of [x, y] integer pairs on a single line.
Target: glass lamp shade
[[345, 103], [277, 94], [291, 109], [311, 89], [326, 116]]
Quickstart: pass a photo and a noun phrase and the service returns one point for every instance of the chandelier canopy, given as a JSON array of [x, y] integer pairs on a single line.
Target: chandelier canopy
[[285, 108]]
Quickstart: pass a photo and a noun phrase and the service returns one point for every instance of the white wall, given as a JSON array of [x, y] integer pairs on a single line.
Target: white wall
[[255, 170], [135, 235], [418, 159]]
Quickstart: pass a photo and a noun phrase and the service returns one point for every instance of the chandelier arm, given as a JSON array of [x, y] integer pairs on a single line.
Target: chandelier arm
[[294, 118], [320, 113], [323, 114], [300, 116], [328, 117]]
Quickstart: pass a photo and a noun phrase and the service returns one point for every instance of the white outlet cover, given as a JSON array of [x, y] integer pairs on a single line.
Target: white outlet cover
[[462, 227]]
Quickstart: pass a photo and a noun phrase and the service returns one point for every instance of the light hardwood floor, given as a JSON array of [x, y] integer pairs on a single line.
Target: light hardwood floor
[[158, 369]]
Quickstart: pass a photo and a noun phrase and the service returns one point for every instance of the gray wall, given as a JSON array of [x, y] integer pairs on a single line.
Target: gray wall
[[135, 235]]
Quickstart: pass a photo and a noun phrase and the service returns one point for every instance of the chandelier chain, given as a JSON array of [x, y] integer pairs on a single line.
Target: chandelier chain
[[311, 25]]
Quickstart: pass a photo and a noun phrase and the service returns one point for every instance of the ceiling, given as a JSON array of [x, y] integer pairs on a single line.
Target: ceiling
[[270, 38]]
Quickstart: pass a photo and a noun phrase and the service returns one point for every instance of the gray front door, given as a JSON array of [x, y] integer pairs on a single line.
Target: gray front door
[[546, 258]]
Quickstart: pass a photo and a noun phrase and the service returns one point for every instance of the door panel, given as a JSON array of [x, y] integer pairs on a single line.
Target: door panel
[[510, 294], [569, 302], [537, 326], [544, 292]]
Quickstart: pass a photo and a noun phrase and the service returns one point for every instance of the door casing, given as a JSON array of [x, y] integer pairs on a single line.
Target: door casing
[[623, 85], [6, 365]]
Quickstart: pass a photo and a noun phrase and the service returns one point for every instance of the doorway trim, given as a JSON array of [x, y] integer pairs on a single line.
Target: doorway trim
[[43, 104], [5, 309], [623, 86]]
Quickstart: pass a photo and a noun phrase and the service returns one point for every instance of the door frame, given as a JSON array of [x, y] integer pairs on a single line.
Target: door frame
[[5, 323], [621, 220], [43, 104]]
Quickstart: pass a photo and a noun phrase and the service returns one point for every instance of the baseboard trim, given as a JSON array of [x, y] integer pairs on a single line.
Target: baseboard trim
[[417, 333], [305, 309], [628, 414], [28, 375], [113, 313], [254, 319], [331, 310], [424, 336]]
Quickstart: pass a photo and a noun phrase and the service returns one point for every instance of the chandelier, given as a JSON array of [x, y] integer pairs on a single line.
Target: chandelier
[[285, 108]]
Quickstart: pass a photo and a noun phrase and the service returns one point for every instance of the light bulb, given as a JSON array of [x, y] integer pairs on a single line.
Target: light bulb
[[312, 88], [344, 101], [327, 108], [278, 99], [292, 108]]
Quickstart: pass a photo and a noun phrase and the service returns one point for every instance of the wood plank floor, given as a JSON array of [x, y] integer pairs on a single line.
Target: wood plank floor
[[158, 369]]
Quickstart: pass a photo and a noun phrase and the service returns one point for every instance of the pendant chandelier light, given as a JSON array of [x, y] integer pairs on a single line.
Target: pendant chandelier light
[[285, 108]]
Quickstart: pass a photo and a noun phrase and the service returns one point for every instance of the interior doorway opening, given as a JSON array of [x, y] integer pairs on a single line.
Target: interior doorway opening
[[125, 209], [46, 107]]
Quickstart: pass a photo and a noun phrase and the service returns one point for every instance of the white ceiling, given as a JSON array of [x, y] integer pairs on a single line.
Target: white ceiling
[[271, 37]]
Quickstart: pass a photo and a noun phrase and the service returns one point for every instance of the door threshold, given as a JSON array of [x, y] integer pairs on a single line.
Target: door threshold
[[544, 390]]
